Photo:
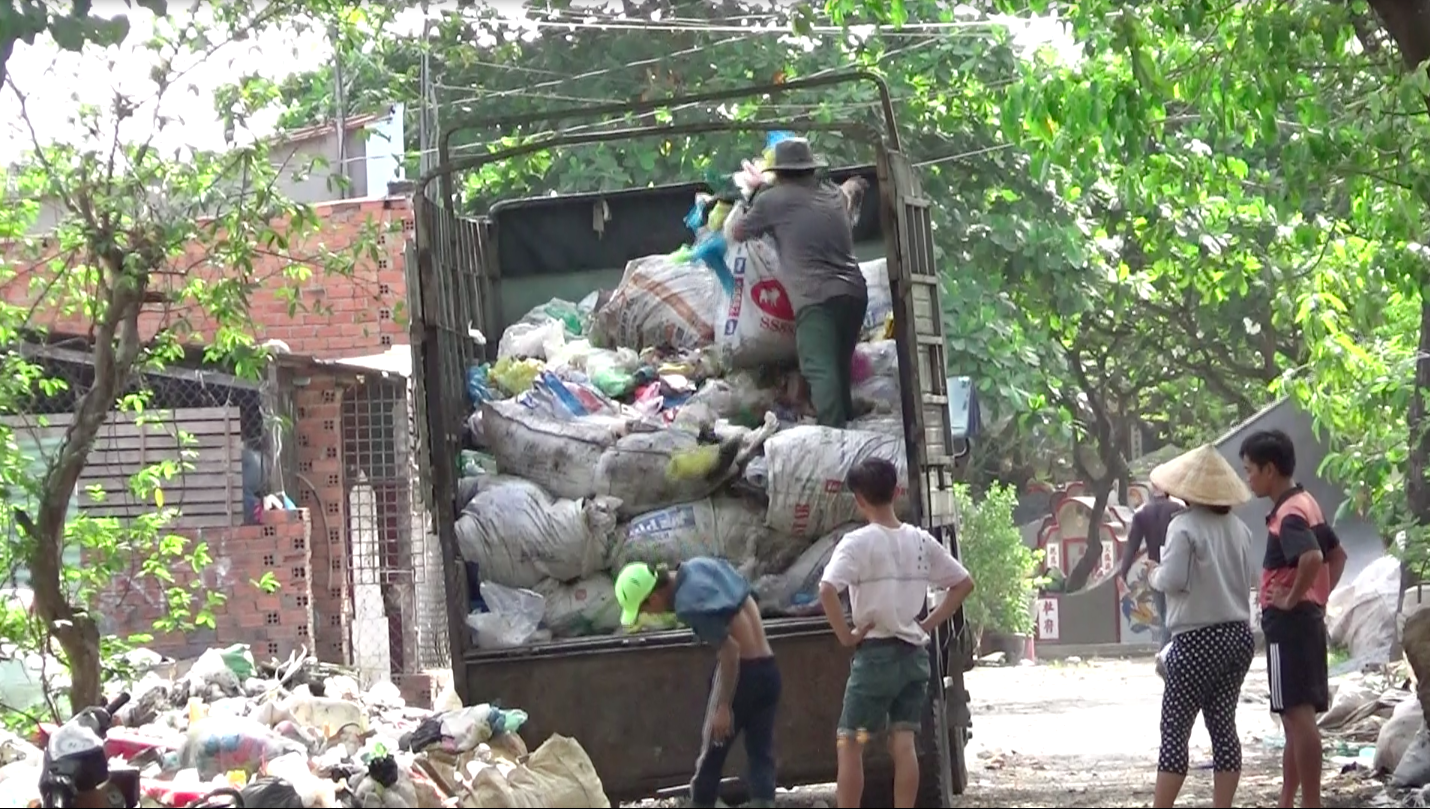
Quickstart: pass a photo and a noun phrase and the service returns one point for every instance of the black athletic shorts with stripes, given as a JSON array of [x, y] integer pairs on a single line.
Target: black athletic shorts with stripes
[[1296, 666]]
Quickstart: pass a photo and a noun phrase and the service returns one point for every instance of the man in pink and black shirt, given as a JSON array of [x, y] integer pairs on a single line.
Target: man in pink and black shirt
[[1304, 561]]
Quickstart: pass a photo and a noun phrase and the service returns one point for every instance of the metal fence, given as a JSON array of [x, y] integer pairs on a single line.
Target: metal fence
[[229, 427]]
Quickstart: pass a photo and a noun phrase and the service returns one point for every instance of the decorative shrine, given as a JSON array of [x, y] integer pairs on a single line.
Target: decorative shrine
[[1105, 610]]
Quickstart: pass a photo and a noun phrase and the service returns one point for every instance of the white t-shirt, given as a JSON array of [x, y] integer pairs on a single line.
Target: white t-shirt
[[888, 572]]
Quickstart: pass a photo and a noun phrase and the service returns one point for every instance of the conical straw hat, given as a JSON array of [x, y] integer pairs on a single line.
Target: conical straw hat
[[1201, 476]]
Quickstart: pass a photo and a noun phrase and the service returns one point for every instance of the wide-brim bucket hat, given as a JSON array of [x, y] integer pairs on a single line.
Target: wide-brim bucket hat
[[793, 154], [1201, 476]]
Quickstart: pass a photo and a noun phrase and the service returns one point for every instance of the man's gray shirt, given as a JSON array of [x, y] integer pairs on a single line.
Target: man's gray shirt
[[810, 225]]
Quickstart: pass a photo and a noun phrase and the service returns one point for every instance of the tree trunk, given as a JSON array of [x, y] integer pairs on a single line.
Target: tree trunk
[[1083, 571], [116, 348], [1408, 23]]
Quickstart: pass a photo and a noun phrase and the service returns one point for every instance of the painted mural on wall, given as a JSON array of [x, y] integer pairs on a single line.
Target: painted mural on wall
[[1135, 603]]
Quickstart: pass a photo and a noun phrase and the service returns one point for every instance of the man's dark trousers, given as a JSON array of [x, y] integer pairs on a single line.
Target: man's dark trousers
[[752, 712], [825, 336]]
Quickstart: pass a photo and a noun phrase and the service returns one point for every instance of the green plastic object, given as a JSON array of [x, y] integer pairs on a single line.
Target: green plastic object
[[613, 381], [239, 661], [569, 316]]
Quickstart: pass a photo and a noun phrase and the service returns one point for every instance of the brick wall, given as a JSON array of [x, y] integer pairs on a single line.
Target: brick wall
[[339, 316], [273, 624], [318, 487]]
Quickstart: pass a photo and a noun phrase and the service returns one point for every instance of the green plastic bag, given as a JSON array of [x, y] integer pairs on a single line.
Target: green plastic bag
[[239, 661]]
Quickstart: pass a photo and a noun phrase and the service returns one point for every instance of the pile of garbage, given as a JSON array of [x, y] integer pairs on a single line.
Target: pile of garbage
[[288, 736], [658, 421]]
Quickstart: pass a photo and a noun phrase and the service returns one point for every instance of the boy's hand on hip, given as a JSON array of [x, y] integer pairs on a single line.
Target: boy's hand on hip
[[857, 636], [721, 724]]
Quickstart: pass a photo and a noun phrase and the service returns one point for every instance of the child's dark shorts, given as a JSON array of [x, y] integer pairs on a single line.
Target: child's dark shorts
[[887, 690]]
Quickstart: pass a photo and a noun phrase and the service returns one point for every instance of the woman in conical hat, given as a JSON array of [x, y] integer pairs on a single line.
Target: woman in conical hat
[[1207, 573]]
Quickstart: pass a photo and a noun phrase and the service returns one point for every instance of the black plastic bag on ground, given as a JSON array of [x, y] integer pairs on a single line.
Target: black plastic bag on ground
[[271, 792]]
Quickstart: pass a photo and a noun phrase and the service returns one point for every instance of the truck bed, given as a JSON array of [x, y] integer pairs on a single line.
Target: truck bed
[[610, 692]]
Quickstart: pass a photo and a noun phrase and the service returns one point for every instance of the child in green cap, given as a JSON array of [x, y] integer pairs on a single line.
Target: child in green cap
[[714, 600]]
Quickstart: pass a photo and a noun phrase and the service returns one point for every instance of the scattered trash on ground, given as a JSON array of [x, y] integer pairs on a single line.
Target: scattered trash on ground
[[302, 733]]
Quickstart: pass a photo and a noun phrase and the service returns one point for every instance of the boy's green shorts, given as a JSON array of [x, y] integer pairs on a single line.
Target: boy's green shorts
[[887, 689]]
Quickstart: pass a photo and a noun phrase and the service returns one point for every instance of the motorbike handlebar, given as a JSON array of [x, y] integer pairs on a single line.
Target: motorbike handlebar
[[117, 703]]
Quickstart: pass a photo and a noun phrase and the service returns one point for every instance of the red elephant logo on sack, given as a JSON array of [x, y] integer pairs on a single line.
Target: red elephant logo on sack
[[770, 296]]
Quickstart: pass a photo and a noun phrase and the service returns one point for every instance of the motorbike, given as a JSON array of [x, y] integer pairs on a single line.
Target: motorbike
[[76, 772]]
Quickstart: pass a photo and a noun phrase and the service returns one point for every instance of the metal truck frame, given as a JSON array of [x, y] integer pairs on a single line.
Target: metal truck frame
[[636, 701]]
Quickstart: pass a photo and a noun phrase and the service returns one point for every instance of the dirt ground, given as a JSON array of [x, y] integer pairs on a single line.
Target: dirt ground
[[1085, 734]]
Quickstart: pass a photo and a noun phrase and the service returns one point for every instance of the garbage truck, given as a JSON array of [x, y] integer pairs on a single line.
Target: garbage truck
[[636, 701]]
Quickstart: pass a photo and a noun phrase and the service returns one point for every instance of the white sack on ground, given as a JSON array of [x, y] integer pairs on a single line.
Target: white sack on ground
[[579, 608], [1414, 767], [518, 534], [560, 456], [724, 527], [797, 588], [806, 467], [557, 775], [1396, 734], [659, 302], [754, 322], [1361, 617]]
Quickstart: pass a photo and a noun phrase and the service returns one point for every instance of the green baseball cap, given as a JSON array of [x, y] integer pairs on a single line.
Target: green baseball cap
[[634, 585]]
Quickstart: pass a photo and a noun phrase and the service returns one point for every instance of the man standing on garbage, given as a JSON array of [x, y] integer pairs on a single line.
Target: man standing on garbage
[[714, 600], [1304, 562], [1149, 525], [809, 220], [888, 567]]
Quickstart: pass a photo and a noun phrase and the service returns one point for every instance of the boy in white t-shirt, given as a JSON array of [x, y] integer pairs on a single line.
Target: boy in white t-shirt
[[887, 567]]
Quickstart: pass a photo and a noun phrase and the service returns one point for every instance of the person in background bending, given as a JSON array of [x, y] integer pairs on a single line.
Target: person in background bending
[[1149, 525], [1304, 562], [809, 219], [1207, 573], [714, 600]]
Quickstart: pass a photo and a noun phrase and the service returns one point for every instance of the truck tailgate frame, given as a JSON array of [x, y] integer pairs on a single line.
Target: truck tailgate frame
[[453, 296]]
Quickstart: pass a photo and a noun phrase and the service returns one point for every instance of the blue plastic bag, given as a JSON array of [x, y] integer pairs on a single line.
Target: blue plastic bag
[[478, 391]]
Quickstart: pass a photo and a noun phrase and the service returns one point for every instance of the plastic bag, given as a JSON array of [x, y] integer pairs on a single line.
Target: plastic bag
[[756, 318], [541, 332], [796, 590], [515, 376], [224, 744], [612, 372], [585, 607], [513, 616], [876, 375], [660, 302], [274, 792], [806, 468], [518, 535], [559, 455], [478, 390], [1361, 617], [557, 775], [724, 527]]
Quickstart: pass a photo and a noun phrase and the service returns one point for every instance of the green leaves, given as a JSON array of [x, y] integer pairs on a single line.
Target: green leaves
[[1002, 565]]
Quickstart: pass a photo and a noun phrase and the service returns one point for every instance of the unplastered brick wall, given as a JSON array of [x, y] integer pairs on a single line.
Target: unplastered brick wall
[[271, 623], [317, 427], [338, 316]]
